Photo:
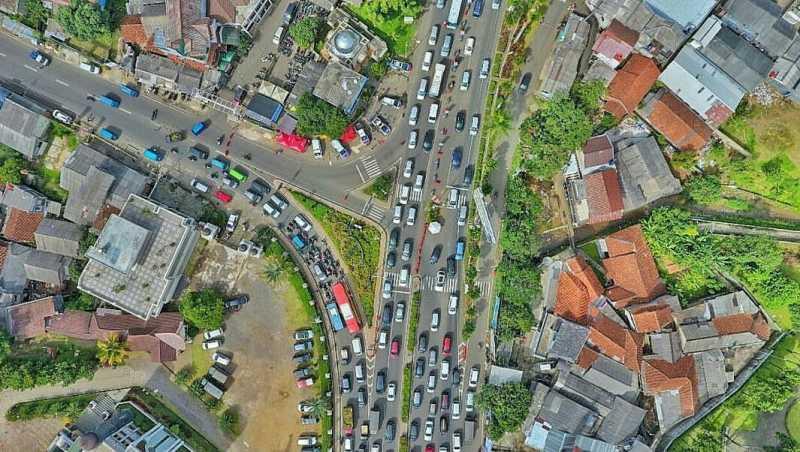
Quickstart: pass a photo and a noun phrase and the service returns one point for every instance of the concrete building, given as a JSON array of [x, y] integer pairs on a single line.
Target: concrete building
[[562, 67], [643, 172], [59, 237], [350, 42], [23, 125], [139, 258], [340, 86]]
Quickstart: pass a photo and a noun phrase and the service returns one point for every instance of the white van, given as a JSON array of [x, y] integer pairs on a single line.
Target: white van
[[199, 186], [469, 404], [434, 36], [444, 369], [278, 36], [317, 147], [419, 182], [413, 115], [356, 343], [383, 339], [452, 198], [433, 113], [455, 411], [405, 192], [404, 275], [89, 67], [435, 321], [427, 60], [423, 89], [412, 216], [484, 68], [452, 304], [271, 211], [462, 215], [360, 372], [465, 78]]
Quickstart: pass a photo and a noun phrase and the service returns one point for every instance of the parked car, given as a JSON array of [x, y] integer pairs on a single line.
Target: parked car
[[221, 358], [381, 125], [461, 118], [213, 334], [363, 134], [398, 65], [210, 345], [303, 335], [40, 58], [233, 220], [235, 304], [62, 117]]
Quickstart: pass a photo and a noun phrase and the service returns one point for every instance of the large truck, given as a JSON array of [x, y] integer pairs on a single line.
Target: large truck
[[336, 319], [455, 14], [110, 101], [438, 79], [153, 154], [374, 421], [347, 419]]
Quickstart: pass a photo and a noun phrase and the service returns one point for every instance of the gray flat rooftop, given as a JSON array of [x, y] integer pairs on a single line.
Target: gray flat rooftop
[[119, 245]]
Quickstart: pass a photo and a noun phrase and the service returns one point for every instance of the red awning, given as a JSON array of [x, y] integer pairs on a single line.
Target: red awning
[[348, 135], [295, 142]]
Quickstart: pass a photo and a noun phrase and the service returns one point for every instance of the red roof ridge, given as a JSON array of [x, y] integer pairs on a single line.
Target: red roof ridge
[[630, 84], [604, 196], [659, 375]]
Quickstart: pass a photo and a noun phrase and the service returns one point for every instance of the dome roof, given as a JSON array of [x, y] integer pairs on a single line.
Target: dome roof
[[345, 41]]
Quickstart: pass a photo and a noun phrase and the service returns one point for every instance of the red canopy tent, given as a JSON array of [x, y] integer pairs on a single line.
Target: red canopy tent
[[291, 141], [348, 135]]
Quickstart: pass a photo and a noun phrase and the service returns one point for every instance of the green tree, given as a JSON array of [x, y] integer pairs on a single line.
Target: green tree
[[204, 309], [377, 69], [785, 444], [273, 270], [588, 95], [184, 376], [704, 189], [305, 31], [684, 160], [80, 301], [770, 394], [83, 19], [508, 405], [5, 344], [36, 15], [317, 117], [11, 170], [112, 351]]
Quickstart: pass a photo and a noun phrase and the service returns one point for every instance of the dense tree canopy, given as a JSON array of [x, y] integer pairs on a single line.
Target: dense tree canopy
[[508, 404], [83, 19], [69, 365], [704, 189], [204, 309], [768, 394], [11, 170], [306, 31], [317, 117]]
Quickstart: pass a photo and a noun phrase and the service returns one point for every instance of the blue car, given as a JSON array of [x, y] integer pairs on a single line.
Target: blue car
[[40, 58], [456, 162], [199, 128], [477, 8]]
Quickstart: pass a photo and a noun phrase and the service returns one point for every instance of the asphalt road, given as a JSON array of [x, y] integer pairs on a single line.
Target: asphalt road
[[66, 87]]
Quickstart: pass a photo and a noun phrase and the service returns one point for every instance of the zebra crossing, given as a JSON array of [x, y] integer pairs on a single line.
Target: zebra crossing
[[394, 277], [372, 211], [416, 195], [485, 285], [371, 168], [429, 284]]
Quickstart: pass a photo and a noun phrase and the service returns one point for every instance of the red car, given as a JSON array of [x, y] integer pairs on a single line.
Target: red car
[[429, 448], [305, 382], [447, 344], [222, 196], [395, 350]]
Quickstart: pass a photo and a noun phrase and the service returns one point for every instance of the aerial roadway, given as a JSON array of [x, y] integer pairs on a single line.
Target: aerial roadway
[[434, 149]]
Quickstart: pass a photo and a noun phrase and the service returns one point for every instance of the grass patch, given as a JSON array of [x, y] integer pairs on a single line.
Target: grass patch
[[69, 407], [591, 250], [47, 182], [793, 421], [381, 187], [358, 245], [201, 359], [398, 35], [101, 48], [164, 414], [413, 321], [407, 381]]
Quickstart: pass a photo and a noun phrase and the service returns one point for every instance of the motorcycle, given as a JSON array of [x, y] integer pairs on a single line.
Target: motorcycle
[[220, 140]]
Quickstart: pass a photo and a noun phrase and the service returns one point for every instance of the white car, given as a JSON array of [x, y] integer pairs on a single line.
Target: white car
[[316, 146], [439, 287], [495, 4], [412, 139], [435, 320], [387, 289], [485, 65], [398, 214], [452, 305], [213, 334], [427, 60], [210, 345], [409, 168], [473, 376], [219, 358], [433, 36], [391, 391], [469, 46], [340, 149], [90, 67], [413, 115], [233, 220], [412, 216], [302, 223], [62, 117], [428, 430], [475, 125]]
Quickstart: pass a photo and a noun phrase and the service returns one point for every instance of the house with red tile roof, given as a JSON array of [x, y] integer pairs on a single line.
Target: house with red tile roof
[[20, 225], [578, 288], [630, 85], [616, 342], [163, 337], [596, 198], [654, 316], [678, 123], [630, 268], [27, 320], [597, 153], [674, 388], [615, 43]]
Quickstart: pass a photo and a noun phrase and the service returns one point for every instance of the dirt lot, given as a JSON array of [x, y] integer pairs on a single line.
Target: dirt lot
[[259, 339]]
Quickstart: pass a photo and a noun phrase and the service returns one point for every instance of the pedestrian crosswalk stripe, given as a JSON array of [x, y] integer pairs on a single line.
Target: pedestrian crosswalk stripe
[[371, 166], [375, 213], [429, 284], [416, 195]]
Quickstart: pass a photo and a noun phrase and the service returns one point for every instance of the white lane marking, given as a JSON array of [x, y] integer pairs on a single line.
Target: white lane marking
[[363, 179], [124, 111], [61, 82], [31, 68], [3, 55]]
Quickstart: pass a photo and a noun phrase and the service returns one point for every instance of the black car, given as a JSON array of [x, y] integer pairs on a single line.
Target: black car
[[388, 434], [260, 187], [302, 358], [427, 141], [435, 254], [451, 266], [380, 382], [461, 119], [197, 153], [386, 315], [236, 304], [413, 432], [456, 376], [444, 424], [526, 82], [393, 238], [391, 259], [468, 172], [302, 373], [422, 344], [419, 368], [362, 396]]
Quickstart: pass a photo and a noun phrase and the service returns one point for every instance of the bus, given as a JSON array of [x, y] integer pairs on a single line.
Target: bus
[[343, 300], [455, 14], [237, 175], [336, 319]]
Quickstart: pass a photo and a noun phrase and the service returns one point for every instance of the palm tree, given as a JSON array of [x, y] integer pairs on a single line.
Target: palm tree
[[319, 406], [112, 352], [273, 270]]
